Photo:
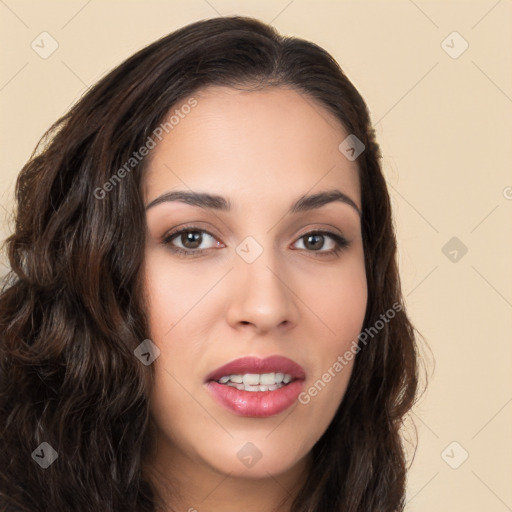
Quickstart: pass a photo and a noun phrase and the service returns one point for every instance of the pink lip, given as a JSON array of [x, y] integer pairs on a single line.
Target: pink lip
[[257, 404]]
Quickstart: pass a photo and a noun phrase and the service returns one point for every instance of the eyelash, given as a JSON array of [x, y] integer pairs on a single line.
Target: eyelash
[[341, 242]]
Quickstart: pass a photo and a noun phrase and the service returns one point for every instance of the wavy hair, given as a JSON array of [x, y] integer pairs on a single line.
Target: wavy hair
[[72, 308]]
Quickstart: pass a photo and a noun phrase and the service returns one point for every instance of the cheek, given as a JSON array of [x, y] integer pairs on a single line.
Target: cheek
[[340, 304], [174, 297], [339, 299], [173, 292]]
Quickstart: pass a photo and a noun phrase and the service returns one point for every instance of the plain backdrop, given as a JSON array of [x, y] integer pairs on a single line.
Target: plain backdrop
[[437, 77]]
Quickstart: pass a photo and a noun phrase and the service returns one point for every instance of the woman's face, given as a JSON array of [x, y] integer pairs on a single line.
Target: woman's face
[[246, 279]]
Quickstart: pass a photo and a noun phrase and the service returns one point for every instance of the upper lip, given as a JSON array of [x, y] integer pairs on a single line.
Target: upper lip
[[271, 364]]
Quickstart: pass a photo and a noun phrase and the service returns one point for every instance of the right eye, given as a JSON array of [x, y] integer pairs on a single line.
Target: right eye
[[190, 238]]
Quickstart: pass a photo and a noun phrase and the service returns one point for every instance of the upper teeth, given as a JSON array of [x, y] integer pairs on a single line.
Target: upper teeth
[[254, 379]]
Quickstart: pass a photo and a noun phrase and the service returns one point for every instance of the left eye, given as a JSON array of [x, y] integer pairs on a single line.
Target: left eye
[[316, 239]]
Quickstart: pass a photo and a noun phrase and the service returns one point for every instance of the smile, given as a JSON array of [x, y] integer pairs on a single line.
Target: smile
[[255, 387]]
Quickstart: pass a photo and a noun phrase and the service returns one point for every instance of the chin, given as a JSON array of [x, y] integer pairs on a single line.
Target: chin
[[252, 459]]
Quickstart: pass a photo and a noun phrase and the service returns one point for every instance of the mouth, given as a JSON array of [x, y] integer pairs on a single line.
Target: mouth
[[255, 387]]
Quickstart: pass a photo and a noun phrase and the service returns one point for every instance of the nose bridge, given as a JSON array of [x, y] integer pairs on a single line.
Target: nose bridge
[[261, 294]]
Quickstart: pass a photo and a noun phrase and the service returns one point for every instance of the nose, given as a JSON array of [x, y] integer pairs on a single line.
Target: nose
[[262, 296]]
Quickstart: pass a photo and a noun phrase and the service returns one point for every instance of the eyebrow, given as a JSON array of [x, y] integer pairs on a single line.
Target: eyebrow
[[216, 202]]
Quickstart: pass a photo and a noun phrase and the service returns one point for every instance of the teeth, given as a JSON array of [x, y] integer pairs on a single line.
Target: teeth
[[259, 387], [257, 382], [251, 379], [268, 378]]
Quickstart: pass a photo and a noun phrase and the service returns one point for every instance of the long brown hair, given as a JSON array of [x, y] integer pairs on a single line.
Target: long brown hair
[[72, 309]]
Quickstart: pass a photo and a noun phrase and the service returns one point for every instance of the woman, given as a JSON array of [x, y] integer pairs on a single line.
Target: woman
[[204, 310]]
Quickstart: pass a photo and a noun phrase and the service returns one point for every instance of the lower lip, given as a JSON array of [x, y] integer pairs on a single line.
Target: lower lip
[[256, 404]]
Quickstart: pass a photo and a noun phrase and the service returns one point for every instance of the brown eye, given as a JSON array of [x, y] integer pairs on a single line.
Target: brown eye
[[188, 241], [191, 239], [315, 241]]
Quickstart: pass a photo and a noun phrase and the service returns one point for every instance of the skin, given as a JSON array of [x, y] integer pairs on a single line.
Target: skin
[[262, 150]]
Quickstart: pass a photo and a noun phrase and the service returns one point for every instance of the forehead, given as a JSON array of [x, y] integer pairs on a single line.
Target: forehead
[[275, 138]]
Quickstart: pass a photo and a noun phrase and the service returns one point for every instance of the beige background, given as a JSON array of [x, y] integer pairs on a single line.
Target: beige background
[[444, 125]]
